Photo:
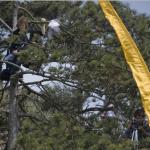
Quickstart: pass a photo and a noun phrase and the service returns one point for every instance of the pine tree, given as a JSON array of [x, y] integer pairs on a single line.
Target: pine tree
[[56, 117]]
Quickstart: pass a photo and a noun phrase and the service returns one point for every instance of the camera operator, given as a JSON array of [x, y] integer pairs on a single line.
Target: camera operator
[[138, 123]]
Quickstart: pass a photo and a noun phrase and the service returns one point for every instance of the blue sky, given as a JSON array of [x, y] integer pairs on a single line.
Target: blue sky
[[141, 6]]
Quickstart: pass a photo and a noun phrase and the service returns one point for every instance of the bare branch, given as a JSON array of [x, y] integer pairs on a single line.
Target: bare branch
[[10, 63], [34, 82], [30, 116], [6, 25], [13, 117], [29, 89], [97, 109], [39, 22], [68, 83], [15, 14], [26, 12], [21, 8]]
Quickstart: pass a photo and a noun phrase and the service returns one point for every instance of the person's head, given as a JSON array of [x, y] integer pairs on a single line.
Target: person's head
[[139, 113], [22, 23]]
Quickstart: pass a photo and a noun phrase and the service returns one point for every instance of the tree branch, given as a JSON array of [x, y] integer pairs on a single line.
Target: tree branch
[[34, 82], [28, 14], [6, 25], [29, 89], [30, 116], [96, 109], [10, 63]]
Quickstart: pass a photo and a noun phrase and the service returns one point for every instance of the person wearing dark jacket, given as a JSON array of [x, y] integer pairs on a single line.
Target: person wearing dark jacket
[[17, 42], [139, 124], [21, 37]]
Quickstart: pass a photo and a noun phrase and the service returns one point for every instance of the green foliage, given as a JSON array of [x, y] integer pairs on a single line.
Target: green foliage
[[62, 132], [145, 143], [32, 54], [56, 55], [5, 8], [56, 120]]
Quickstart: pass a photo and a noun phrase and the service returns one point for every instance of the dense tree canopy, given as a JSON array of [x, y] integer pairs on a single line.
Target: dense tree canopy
[[90, 69]]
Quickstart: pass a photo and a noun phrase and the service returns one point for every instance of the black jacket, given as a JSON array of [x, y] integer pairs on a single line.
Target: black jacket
[[23, 39]]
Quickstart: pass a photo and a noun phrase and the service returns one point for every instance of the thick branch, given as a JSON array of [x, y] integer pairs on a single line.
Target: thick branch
[[6, 25], [34, 82], [10, 63], [15, 15], [97, 109], [13, 117], [21, 8], [31, 116]]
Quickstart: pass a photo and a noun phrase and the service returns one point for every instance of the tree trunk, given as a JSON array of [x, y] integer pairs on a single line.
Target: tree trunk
[[13, 117], [15, 14], [13, 122]]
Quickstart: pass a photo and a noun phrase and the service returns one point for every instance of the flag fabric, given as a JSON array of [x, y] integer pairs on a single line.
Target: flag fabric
[[132, 54]]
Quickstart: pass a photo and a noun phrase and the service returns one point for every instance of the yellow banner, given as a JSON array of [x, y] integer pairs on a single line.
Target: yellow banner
[[132, 54]]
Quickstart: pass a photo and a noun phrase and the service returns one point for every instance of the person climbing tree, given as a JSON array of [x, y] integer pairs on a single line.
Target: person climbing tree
[[22, 36], [34, 55], [16, 42]]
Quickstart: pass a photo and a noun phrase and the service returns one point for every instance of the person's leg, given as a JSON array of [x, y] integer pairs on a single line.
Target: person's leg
[[5, 75], [128, 133], [13, 59], [10, 57]]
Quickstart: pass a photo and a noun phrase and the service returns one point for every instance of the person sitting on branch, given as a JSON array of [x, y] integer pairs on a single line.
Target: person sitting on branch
[[19, 41]]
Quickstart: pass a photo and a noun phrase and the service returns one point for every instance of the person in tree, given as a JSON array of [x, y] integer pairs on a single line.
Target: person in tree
[[139, 124], [53, 28], [34, 54], [21, 37]]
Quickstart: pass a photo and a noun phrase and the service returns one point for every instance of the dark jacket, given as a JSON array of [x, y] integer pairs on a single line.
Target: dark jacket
[[23, 38], [141, 126]]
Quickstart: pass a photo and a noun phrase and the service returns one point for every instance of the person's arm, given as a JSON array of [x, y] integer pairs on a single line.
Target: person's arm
[[7, 42]]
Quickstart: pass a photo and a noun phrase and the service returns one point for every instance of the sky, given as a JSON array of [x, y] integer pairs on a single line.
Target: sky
[[141, 6]]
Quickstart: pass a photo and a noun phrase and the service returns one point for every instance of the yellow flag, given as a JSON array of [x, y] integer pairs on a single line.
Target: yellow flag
[[132, 54]]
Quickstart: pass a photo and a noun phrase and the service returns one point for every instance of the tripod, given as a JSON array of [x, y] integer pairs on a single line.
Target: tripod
[[135, 139]]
